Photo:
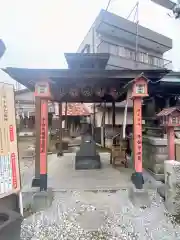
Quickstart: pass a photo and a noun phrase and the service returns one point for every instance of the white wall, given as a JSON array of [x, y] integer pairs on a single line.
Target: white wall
[[27, 96], [119, 117]]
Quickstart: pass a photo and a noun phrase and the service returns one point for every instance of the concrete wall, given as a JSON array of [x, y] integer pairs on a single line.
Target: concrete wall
[[117, 41], [146, 58], [91, 38], [145, 34], [151, 42], [125, 63], [27, 96]]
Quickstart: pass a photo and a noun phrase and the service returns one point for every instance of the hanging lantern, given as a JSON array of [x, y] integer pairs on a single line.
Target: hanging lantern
[[87, 92], [100, 92], [74, 92]]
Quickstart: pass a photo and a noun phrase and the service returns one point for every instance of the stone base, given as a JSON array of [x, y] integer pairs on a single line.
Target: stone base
[[36, 182], [87, 162], [173, 207], [161, 190], [139, 197], [10, 202], [138, 180], [156, 176], [42, 200], [10, 224]]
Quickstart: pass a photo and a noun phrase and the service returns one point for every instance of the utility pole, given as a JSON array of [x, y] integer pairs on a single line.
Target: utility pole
[[94, 51], [136, 20]]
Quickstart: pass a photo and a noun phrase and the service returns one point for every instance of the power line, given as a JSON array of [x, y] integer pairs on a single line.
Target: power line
[[134, 8], [136, 19], [109, 2], [93, 50]]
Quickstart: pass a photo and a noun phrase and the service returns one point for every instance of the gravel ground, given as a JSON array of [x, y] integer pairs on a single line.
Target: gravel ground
[[100, 215], [95, 215]]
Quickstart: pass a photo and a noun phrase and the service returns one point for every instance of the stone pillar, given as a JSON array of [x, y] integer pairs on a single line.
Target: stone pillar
[[172, 186], [155, 152], [36, 180]]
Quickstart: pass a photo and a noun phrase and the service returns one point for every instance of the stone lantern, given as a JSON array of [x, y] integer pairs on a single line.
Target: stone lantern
[[169, 119]]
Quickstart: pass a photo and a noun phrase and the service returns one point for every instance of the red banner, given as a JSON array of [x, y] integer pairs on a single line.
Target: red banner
[[11, 133], [43, 137], [13, 165]]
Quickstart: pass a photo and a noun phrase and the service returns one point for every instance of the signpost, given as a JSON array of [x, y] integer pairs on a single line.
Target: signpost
[[42, 90], [9, 162]]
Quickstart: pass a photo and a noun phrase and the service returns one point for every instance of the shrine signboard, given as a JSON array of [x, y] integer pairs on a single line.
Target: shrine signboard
[[9, 162]]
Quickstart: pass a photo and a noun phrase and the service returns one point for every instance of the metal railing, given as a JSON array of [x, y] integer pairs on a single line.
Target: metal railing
[[129, 54]]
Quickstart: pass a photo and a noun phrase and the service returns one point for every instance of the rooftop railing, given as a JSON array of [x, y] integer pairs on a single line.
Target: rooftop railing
[[128, 53]]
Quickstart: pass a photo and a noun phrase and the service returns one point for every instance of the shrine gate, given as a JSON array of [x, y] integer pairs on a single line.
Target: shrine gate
[[86, 80]]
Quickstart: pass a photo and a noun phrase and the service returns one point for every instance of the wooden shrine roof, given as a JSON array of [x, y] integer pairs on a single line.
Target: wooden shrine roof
[[167, 111], [67, 79]]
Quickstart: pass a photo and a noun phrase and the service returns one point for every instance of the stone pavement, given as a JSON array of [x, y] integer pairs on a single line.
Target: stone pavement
[[63, 176], [95, 205]]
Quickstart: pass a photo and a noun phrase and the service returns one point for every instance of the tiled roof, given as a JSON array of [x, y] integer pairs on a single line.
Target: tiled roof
[[75, 109], [167, 111]]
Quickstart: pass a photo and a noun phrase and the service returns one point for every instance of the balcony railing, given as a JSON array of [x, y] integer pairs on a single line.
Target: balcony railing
[[130, 54]]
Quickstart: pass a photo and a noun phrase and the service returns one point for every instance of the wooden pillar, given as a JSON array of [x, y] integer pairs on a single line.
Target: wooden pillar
[[43, 144], [114, 119], [103, 143], [66, 121], [36, 180], [104, 123], [94, 120], [60, 150], [139, 90], [137, 177], [171, 144]]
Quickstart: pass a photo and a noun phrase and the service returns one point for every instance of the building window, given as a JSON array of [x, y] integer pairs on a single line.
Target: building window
[[145, 57], [150, 60], [158, 62], [113, 49], [141, 57], [128, 53], [121, 51], [132, 55]]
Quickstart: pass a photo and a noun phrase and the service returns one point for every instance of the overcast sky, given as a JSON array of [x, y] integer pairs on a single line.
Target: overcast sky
[[38, 32]]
